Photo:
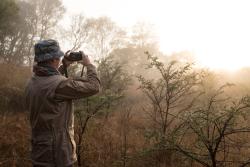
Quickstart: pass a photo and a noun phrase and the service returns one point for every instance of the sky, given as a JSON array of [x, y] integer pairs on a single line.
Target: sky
[[217, 32]]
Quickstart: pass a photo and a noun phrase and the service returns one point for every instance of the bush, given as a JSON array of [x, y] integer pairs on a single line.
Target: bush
[[12, 83]]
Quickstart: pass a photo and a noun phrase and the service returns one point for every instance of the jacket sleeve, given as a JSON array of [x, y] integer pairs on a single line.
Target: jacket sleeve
[[75, 88]]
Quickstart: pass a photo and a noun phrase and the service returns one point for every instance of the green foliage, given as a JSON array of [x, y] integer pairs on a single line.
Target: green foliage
[[114, 82], [113, 76], [215, 128], [191, 117], [170, 94], [8, 17], [22, 23], [188, 119]]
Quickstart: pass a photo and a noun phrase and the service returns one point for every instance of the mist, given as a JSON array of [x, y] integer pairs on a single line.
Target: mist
[[171, 95]]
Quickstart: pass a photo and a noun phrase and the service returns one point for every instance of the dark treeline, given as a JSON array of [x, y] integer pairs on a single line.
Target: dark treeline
[[154, 110]]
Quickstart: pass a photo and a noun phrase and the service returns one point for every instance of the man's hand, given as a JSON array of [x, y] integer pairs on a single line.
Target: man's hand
[[85, 59], [65, 61]]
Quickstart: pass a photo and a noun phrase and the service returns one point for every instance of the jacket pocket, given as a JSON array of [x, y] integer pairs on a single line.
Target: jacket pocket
[[42, 149]]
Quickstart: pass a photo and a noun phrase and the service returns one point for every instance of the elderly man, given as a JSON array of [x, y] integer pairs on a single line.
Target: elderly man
[[49, 98]]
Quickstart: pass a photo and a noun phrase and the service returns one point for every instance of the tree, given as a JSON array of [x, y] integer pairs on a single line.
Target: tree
[[114, 82], [214, 132], [8, 17], [105, 37], [9, 14], [19, 42], [169, 96], [42, 22], [141, 40], [143, 36], [47, 15], [78, 33], [23, 23]]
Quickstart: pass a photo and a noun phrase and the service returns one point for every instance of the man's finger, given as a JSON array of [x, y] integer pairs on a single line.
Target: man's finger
[[66, 54]]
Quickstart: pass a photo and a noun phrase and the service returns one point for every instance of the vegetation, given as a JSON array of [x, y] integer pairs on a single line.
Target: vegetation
[[154, 109]]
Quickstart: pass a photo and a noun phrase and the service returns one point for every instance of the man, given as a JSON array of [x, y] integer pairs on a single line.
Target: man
[[49, 98]]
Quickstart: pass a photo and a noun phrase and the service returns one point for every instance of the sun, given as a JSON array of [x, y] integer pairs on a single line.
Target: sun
[[224, 59], [215, 58], [214, 49]]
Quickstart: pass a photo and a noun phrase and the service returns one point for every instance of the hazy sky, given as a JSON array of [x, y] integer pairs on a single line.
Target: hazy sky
[[216, 31]]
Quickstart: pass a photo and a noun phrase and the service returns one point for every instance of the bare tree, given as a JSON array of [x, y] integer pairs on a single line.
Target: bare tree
[[78, 33], [105, 37], [47, 15], [142, 35]]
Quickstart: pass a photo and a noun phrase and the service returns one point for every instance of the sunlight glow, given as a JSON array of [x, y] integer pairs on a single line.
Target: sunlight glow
[[218, 32]]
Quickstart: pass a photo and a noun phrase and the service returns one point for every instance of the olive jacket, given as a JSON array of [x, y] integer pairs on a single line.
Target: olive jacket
[[49, 102]]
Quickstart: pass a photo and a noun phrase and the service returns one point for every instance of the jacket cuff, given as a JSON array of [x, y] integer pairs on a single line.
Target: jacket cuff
[[61, 69], [90, 66]]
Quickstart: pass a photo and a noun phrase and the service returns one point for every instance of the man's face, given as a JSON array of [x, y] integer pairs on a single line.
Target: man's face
[[56, 63]]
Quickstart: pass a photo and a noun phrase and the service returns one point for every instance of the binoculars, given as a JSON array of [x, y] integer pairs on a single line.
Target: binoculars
[[74, 56]]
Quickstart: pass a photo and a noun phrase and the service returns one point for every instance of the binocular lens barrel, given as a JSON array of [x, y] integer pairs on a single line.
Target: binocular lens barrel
[[74, 56]]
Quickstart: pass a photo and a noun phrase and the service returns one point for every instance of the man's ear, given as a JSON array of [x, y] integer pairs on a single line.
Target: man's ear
[[55, 60]]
